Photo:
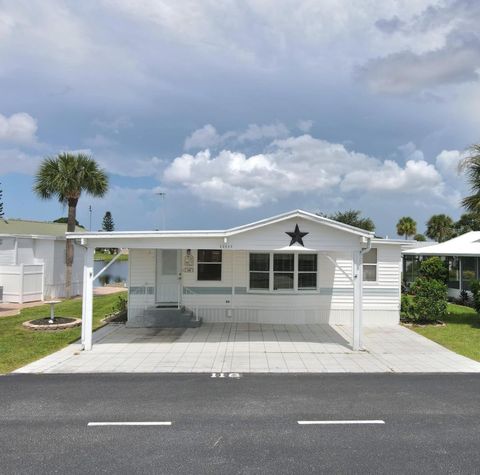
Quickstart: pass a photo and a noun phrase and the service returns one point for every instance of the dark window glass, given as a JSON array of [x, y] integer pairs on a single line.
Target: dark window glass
[[283, 262], [283, 280], [307, 281], [307, 263], [209, 264], [209, 272], [260, 280], [209, 255], [260, 262]]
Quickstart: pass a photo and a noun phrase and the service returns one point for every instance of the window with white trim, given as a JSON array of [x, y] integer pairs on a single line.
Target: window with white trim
[[307, 271], [370, 265], [209, 264], [260, 271], [282, 271]]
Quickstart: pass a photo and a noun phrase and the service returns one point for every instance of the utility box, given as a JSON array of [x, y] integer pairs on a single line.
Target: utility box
[[1, 293]]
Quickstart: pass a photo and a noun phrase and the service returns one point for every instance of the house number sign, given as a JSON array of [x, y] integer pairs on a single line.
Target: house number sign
[[188, 262]]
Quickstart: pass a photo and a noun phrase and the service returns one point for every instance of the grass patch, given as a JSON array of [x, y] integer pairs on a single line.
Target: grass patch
[[19, 346], [460, 334], [105, 256]]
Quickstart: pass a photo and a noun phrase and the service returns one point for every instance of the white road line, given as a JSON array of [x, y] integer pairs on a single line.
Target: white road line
[[306, 423], [166, 423]]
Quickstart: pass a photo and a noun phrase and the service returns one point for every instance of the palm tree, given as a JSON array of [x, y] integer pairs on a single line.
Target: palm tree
[[65, 177], [406, 226], [471, 166], [440, 227]]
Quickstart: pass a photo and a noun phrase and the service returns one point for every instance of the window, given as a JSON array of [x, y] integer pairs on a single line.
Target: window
[[209, 265], [453, 272], [288, 272], [260, 271], [283, 271], [307, 271], [469, 271], [370, 266]]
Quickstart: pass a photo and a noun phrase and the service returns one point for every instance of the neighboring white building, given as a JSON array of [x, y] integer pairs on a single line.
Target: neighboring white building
[[295, 268], [462, 255], [32, 261]]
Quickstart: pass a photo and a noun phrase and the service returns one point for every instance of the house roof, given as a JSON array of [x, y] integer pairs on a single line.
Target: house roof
[[227, 232], [467, 244], [22, 227]]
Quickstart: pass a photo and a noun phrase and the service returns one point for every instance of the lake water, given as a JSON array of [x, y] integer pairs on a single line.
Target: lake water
[[118, 270]]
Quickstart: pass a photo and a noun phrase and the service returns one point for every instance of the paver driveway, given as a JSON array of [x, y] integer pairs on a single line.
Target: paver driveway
[[244, 347]]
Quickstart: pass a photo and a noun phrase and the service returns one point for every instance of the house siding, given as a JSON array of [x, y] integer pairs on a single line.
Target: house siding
[[230, 299]]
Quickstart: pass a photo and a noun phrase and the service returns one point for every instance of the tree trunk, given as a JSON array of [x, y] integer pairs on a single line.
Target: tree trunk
[[72, 211]]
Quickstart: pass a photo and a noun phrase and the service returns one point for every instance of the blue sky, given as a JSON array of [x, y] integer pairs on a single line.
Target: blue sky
[[240, 110]]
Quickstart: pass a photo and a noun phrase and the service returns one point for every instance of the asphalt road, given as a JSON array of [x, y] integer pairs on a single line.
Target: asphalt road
[[245, 425]]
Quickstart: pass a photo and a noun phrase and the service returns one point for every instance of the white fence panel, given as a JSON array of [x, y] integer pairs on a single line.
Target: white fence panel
[[22, 283]]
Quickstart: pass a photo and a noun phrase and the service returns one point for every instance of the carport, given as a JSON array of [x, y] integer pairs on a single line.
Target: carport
[[293, 269]]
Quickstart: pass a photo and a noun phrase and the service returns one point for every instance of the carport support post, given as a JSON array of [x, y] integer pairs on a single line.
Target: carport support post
[[87, 299], [357, 300]]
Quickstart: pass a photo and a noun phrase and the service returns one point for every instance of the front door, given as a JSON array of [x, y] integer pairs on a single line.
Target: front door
[[168, 276]]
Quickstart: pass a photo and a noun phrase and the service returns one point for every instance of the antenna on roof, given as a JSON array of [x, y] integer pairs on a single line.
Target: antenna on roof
[[162, 195]]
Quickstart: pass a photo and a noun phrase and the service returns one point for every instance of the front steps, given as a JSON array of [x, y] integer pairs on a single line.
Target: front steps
[[167, 317]]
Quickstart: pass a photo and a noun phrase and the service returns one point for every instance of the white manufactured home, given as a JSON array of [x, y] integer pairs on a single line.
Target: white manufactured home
[[295, 268], [32, 261]]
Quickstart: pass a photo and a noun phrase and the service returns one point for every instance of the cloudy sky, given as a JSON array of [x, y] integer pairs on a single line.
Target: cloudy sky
[[238, 110]]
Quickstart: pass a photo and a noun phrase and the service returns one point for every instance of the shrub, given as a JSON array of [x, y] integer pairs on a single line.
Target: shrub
[[120, 305], [429, 300], [475, 289], [434, 268], [407, 309], [464, 298]]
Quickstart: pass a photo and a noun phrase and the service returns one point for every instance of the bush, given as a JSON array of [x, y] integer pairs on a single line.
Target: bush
[[475, 289], [429, 300], [434, 268], [120, 305], [464, 298], [407, 309]]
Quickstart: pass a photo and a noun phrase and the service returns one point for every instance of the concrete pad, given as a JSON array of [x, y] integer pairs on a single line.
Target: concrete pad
[[244, 348]]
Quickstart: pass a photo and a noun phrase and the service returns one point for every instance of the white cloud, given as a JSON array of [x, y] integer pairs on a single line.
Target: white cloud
[[297, 165], [208, 136], [447, 161], [416, 176], [258, 132], [205, 137], [18, 128]]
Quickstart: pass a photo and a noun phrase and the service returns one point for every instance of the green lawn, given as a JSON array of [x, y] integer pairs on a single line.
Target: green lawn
[[105, 256], [19, 346], [461, 333]]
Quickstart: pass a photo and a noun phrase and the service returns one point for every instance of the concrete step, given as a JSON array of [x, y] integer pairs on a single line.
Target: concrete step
[[155, 317]]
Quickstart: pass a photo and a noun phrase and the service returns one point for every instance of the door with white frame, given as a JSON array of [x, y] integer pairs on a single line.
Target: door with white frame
[[168, 289]]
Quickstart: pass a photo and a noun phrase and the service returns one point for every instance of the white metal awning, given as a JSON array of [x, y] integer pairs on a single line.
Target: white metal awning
[[465, 245]]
